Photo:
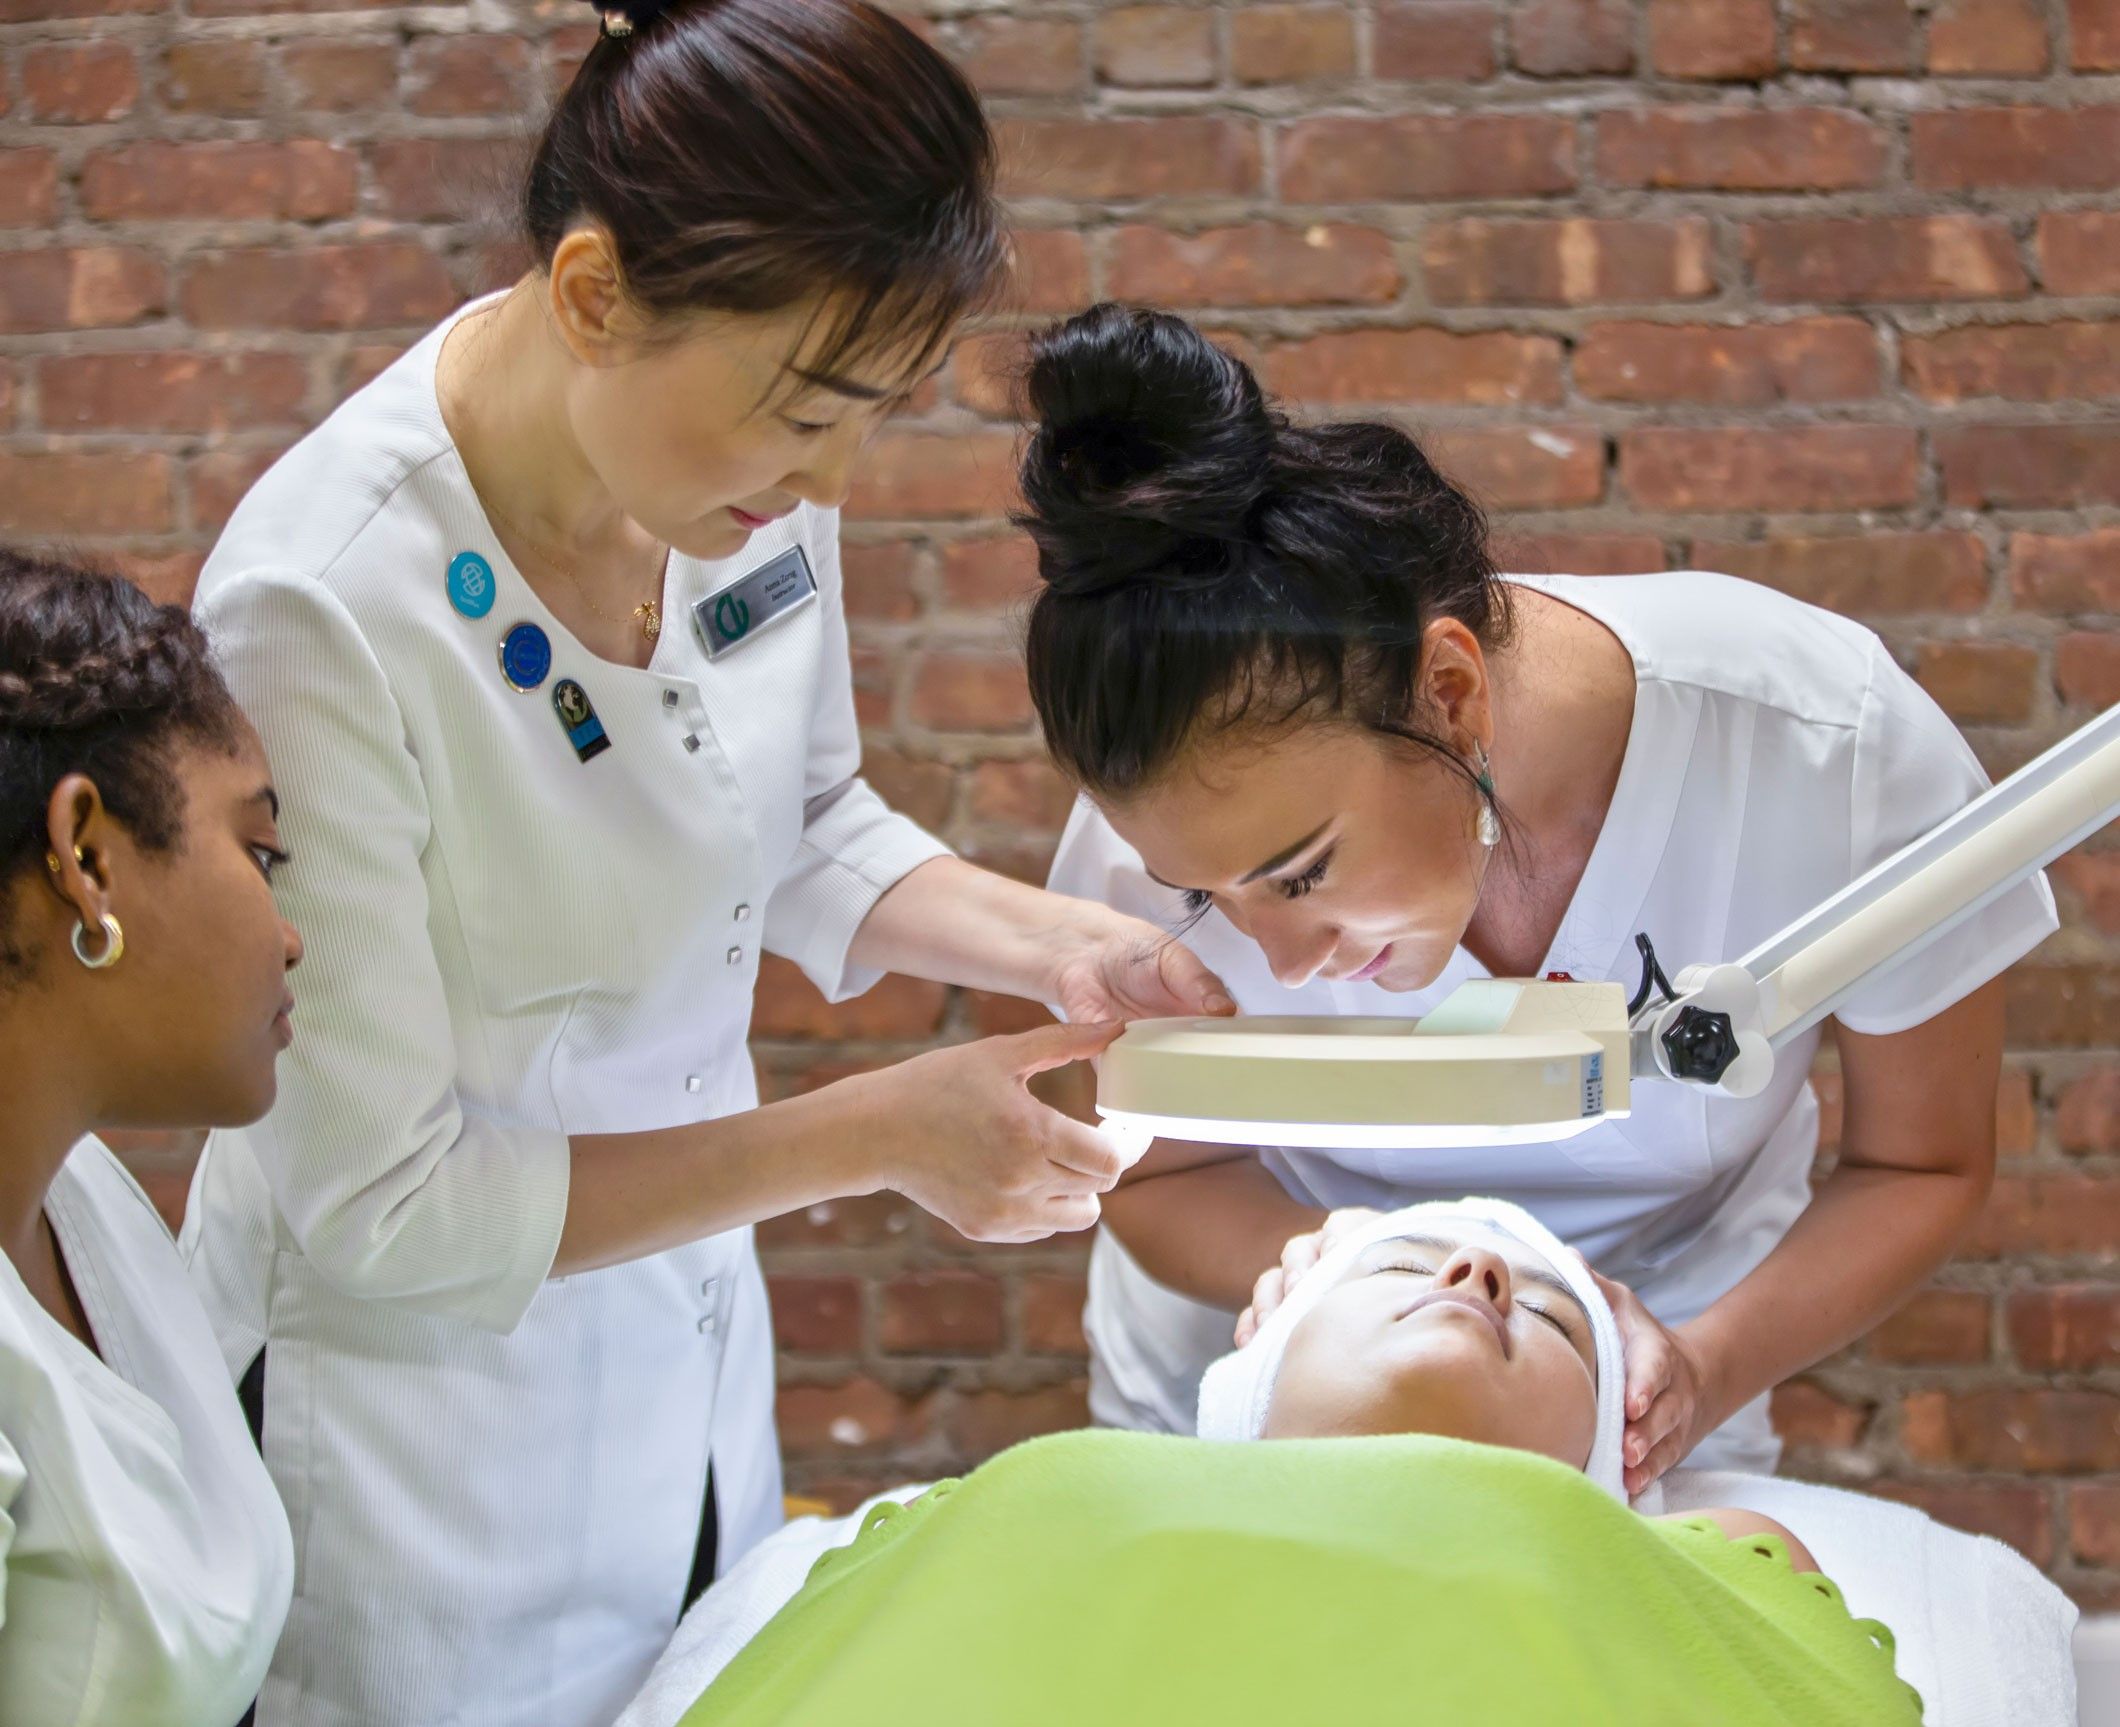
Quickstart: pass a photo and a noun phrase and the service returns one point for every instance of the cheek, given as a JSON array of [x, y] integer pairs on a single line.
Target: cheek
[[665, 460]]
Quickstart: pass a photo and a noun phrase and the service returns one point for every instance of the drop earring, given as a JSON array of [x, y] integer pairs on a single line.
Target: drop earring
[[1490, 828]]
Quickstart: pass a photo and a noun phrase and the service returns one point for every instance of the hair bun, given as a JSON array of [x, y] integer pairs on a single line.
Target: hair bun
[[1151, 451]]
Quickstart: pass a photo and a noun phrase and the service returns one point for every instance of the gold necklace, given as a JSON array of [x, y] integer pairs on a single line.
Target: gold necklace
[[648, 613]]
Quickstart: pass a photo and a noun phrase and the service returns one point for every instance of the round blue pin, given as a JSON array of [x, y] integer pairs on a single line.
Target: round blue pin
[[471, 584], [526, 656]]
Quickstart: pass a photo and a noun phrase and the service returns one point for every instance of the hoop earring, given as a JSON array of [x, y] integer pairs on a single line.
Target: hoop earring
[[1490, 824], [113, 945]]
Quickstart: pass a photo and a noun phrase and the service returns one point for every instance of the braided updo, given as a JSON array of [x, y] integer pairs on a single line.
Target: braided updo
[[96, 679]]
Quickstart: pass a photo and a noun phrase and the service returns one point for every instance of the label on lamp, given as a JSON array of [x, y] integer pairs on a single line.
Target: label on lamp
[[1594, 1083]]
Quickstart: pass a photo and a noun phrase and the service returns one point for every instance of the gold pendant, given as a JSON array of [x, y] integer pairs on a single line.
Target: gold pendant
[[650, 615]]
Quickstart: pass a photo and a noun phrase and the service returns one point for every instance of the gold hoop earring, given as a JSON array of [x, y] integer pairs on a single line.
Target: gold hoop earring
[[113, 945]]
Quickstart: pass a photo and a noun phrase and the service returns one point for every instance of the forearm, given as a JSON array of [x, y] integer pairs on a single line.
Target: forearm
[[634, 1194], [1869, 1238], [1208, 1231], [952, 922]]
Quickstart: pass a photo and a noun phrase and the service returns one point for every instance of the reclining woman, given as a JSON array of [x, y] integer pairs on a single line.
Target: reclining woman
[[1440, 1522]]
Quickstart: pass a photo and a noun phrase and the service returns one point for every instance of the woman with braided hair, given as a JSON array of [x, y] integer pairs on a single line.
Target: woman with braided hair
[[145, 1563]]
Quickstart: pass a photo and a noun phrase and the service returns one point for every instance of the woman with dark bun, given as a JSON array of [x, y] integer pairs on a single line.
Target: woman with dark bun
[[544, 630], [1320, 734], [144, 1557]]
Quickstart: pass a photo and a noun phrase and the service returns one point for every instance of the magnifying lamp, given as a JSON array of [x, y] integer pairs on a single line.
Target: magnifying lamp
[[1503, 1062]]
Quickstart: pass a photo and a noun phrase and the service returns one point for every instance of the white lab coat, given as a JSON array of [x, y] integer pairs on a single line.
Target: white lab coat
[[144, 1557], [1776, 752], [495, 1479]]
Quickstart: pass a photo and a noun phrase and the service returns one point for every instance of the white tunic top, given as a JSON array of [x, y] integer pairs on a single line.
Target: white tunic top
[[496, 1479], [144, 1557], [1777, 751]]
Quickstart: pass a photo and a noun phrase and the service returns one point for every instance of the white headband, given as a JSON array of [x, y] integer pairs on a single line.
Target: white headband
[[1236, 1390]]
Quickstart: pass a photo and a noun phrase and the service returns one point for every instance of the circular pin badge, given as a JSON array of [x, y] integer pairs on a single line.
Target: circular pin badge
[[471, 584], [526, 657]]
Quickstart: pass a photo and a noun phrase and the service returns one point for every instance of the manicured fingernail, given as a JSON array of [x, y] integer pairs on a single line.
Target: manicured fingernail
[[1220, 1004]]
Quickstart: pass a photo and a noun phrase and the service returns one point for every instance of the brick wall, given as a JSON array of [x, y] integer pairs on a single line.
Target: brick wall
[[1824, 293]]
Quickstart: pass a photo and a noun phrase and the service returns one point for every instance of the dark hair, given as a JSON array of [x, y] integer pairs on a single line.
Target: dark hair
[[96, 679], [1207, 562], [748, 155]]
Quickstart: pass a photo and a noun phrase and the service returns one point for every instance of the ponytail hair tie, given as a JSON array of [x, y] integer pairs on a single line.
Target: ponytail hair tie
[[628, 16]]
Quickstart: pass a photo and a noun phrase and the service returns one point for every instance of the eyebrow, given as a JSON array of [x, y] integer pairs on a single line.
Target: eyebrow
[[1520, 1273], [847, 387], [268, 797], [1279, 861]]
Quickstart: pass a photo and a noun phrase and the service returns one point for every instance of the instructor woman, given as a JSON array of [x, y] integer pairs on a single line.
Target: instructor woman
[[543, 631]]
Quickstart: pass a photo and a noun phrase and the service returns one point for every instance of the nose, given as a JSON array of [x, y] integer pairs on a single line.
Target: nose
[[825, 480], [1477, 1272], [291, 939], [1295, 948]]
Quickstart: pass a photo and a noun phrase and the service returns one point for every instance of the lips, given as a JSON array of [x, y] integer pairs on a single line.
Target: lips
[[1451, 1298], [744, 519], [1376, 965]]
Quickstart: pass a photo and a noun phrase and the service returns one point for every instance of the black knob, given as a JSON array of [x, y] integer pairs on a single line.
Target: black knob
[[1701, 1045]]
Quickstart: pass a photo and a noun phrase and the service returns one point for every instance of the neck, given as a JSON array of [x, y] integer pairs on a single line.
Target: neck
[[44, 1118]]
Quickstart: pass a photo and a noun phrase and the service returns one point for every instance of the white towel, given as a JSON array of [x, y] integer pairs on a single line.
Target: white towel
[[1235, 1391]]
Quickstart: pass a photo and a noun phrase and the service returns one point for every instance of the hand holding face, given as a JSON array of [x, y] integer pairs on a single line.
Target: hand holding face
[[1669, 1409]]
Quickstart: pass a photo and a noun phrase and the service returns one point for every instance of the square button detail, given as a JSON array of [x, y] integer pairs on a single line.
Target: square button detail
[[669, 698], [736, 956], [691, 743], [743, 914], [693, 1082]]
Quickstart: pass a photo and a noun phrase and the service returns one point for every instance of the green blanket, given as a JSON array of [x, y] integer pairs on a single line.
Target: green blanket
[[1096, 1578]]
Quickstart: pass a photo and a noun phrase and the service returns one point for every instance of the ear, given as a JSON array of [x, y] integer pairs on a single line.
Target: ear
[[1455, 686], [586, 297], [78, 830]]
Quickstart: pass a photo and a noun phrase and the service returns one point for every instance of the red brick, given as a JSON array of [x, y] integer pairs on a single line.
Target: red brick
[[2066, 572], [967, 692], [989, 574], [2087, 669], [909, 475], [912, 786], [217, 77], [2063, 1007], [1748, 365], [10, 388], [2032, 1432], [858, 1415], [2087, 1118], [2094, 1522], [2069, 1327], [2079, 251], [1787, 469], [1936, 1328], [875, 686], [83, 288], [365, 363], [941, 1313], [1579, 260], [2091, 881], [219, 481], [2094, 35], [1573, 38], [1023, 56], [454, 76], [1487, 367], [1028, 794], [1260, 264], [2017, 362], [1175, 157], [355, 286], [1712, 39], [2029, 467], [984, 1422], [816, 1315], [80, 83], [168, 578], [29, 188], [439, 179], [305, 181], [1347, 160], [67, 493], [339, 77], [1290, 44], [1051, 270], [1884, 258], [1980, 683], [1433, 41], [1155, 45], [879, 581], [2020, 1516], [1740, 150], [1851, 35], [1512, 468], [2060, 1214], [1052, 1315], [1988, 38], [787, 1006], [1581, 554], [1810, 1418], [2076, 149], [50, 11], [172, 392]]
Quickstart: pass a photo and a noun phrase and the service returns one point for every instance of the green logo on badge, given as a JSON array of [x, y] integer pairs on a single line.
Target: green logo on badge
[[731, 617]]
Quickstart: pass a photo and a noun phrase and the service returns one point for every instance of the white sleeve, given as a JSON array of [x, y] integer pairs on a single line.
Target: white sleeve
[[394, 1190], [1912, 770], [855, 847]]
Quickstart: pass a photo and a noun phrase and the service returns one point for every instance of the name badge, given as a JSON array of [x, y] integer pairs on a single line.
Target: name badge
[[745, 607]]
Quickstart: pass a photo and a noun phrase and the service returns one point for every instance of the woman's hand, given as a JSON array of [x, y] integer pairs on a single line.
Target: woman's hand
[[1106, 966], [959, 1134], [1299, 1254], [1670, 1403]]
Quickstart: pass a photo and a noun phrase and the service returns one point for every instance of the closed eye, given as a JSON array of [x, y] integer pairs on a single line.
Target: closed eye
[[1297, 886], [268, 859]]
